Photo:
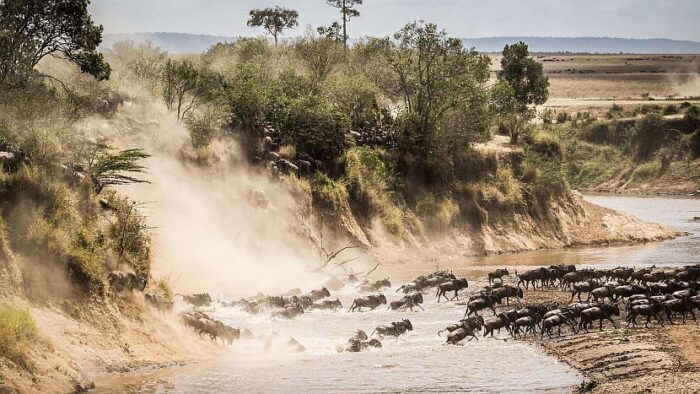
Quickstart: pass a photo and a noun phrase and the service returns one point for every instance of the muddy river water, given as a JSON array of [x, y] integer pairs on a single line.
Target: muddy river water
[[418, 361]]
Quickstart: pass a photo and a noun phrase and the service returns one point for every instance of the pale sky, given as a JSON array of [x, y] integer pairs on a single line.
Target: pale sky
[[677, 19]]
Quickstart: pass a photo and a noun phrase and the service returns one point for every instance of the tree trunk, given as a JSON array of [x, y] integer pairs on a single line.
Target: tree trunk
[[345, 31]]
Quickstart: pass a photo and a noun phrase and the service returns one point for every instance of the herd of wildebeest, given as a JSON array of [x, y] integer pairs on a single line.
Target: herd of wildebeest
[[654, 295]]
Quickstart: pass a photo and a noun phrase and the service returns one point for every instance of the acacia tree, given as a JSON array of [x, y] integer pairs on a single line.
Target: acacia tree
[[347, 11], [442, 86], [274, 20], [105, 168], [521, 86], [30, 30], [184, 84]]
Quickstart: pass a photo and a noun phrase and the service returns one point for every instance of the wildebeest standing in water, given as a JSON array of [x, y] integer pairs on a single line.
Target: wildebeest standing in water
[[371, 302], [320, 294], [394, 329]]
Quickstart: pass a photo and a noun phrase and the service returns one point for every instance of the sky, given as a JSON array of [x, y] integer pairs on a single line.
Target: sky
[[676, 19]]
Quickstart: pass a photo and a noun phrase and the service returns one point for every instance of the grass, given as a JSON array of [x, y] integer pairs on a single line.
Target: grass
[[18, 334]]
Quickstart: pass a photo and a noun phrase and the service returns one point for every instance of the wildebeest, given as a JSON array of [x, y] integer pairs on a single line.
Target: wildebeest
[[408, 301], [454, 285], [289, 312], [473, 323], [456, 336], [600, 313], [682, 306], [583, 287], [202, 299], [327, 305], [625, 291], [528, 322], [599, 294], [538, 274], [360, 341], [557, 321], [159, 303], [496, 323], [371, 302], [480, 303], [203, 324], [394, 329], [506, 292], [126, 281], [650, 310], [320, 294], [376, 286], [498, 274]]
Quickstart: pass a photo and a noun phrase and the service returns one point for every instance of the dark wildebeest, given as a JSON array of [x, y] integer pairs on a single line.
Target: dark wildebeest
[[454, 285], [320, 294], [371, 302], [496, 323], [506, 292], [583, 287], [625, 291], [360, 342], [528, 322], [473, 323], [498, 274], [408, 301], [327, 305], [682, 306], [202, 299], [456, 336], [126, 281], [480, 303], [653, 309], [289, 312], [620, 273], [557, 272], [600, 313], [599, 294], [376, 286], [394, 329], [161, 304], [538, 274], [557, 321]]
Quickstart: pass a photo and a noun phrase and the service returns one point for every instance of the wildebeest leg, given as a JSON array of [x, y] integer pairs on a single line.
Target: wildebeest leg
[[418, 305], [493, 310], [456, 295], [613, 322]]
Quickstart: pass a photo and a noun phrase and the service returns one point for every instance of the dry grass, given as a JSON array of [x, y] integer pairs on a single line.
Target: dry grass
[[18, 334]]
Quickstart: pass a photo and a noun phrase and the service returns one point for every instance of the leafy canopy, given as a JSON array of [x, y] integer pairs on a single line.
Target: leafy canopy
[[274, 20], [347, 11], [33, 29]]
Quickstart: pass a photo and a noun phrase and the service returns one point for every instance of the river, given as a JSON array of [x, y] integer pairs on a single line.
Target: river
[[418, 361]]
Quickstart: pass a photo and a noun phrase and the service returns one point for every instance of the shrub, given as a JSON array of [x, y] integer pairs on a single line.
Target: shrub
[[18, 333], [695, 143], [670, 110], [649, 134], [439, 212], [562, 117], [645, 173]]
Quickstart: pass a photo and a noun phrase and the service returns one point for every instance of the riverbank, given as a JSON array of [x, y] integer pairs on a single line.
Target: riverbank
[[79, 341]]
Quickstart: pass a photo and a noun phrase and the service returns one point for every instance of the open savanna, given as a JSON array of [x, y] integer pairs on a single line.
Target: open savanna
[[576, 79]]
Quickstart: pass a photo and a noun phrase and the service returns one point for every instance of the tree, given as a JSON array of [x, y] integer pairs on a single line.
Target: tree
[[320, 55], [442, 86], [105, 168], [347, 11], [526, 83], [30, 30], [184, 84], [274, 20]]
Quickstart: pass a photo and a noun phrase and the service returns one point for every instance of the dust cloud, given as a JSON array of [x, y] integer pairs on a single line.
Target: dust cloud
[[211, 231]]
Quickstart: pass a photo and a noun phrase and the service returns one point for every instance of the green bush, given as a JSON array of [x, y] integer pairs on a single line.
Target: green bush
[[18, 334], [562, 117], [316, 128], [650, 133], [670, 110]]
